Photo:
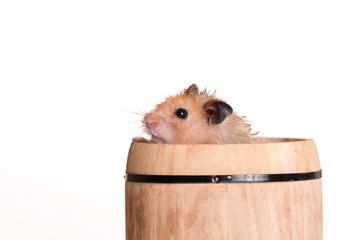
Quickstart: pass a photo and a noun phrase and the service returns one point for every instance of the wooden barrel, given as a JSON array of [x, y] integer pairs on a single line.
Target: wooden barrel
[[270, 189]]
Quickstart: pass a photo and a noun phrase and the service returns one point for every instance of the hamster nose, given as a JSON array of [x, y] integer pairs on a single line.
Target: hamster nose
[[150, 123]]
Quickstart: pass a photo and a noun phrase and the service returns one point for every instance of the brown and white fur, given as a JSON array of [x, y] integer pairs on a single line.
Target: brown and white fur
[[193, 117]]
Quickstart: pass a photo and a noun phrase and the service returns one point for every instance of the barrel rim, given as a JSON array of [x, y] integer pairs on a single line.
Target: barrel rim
[[271, 156], [255, 141]]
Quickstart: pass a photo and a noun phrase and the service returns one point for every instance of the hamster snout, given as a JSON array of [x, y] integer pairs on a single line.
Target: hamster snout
[[153, 122], [149, 122], [153, 126]]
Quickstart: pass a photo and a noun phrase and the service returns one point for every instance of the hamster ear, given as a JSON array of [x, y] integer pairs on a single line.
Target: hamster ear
[[217, 111], [192, 90]]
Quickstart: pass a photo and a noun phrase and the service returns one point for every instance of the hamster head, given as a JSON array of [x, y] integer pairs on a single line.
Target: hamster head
[[189, 117]]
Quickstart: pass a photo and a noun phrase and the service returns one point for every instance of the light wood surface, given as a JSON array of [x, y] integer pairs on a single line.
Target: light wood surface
[[233, 211], [270, 155]]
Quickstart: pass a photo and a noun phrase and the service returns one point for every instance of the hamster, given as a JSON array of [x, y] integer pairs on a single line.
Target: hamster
[[194, 117]]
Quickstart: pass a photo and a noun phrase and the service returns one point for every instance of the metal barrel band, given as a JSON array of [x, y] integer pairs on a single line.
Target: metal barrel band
[[243, 178]]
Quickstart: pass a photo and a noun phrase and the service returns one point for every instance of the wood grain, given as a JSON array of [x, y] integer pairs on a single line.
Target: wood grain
[[277, 210]]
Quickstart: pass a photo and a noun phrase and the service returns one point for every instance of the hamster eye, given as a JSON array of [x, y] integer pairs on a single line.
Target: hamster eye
[[181, 113]]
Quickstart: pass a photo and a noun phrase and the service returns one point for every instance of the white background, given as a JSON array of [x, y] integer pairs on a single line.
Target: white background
[[71, 70]]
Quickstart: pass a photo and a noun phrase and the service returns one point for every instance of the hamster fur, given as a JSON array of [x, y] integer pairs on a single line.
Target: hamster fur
[[193, 117]]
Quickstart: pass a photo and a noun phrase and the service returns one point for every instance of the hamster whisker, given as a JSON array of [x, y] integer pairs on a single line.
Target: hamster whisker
[[136, 112], [125, 123]]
